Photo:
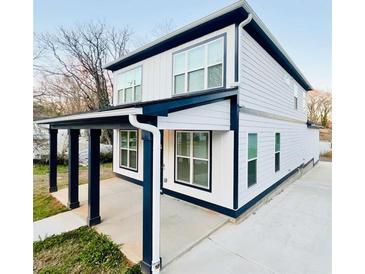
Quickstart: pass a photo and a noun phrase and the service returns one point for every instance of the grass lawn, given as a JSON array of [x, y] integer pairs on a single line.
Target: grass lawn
[[44, 205], [80, 251]]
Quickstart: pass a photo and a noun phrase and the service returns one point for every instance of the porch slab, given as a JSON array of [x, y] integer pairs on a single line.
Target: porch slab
[[183, 225]]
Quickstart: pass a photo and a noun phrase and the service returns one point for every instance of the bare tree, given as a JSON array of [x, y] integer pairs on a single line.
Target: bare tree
[[69, 66], [79, 55], [319, 104]]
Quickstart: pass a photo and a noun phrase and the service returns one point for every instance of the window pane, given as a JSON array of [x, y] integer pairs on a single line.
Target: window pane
[[124, 139], [200, 173], [277, 161], [251, 173], [215, 76], [196, 58], [124, 157], [133, 159], [200, 145], [138, 93], [121, 81], [215, 52], [179, 83], [295, 102], [183, 143], [120, 96], [179, 63], [132, 140], [128, 95], [196, 80], [252, 145], [183, 169], [277, 142], [138, 76]]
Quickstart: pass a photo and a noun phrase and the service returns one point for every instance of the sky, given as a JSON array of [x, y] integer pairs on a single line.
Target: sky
[[302, 27]]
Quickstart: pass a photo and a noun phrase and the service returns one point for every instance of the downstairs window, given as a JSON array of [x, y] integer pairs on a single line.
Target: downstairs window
[[128, 153], [192, 158], [252, 159], [277, 152]]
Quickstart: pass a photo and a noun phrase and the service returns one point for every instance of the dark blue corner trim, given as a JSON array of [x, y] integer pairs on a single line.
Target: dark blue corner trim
[[129, 179], [235, 128]]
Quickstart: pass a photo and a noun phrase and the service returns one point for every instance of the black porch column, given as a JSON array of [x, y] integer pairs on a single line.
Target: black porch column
[[53, 160], [94, 177], [73, 168], [147, 202]]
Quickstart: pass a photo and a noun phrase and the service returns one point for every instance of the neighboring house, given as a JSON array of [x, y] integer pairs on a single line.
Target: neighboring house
[[230, 107]]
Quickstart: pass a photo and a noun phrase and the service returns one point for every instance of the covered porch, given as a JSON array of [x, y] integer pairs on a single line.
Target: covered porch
[[182, 224], [145, 116]]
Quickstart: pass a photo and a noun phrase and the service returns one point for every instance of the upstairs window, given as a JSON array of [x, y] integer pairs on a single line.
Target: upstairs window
[[129, 86], [252, 159], [295, 96], [277, 152], [199, 68], [128, 149]]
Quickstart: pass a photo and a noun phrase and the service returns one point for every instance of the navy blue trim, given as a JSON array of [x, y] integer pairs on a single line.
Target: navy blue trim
[[235, 127], [73, 168], [236, 49], [53, 160], [177, 103], [147, 197], [224, 210], [161, 158], [210, 162], [217, 23], [94, 177], [316, 162], [227, 211], [128, 179]]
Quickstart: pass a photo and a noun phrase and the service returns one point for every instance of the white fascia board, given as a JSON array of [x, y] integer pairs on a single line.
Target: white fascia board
[[92, 115]]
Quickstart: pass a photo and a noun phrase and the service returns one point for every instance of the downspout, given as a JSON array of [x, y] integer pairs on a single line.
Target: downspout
[[155, 189], [240, 28]]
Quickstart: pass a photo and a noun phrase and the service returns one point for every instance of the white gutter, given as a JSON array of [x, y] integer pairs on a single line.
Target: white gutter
[[155, 190]]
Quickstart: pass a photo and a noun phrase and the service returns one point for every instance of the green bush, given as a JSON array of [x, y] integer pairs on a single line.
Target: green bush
[[106, 157]]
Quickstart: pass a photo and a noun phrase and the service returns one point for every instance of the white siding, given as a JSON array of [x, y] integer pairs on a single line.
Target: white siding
[[138, 175], [215, 116], [298, 146], [157, 70], [265, 85], [222, 166]]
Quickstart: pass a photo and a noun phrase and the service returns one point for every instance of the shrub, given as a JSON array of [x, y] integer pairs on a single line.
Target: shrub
[[106, 157]]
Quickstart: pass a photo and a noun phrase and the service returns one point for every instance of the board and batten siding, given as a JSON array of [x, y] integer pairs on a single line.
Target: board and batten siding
[[298, 146], [222, 166], [157, 70], [215, 116], [265, 85]]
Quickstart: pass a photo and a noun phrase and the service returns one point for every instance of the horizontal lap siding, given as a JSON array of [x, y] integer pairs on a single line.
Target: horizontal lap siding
[[215, 116], [297, 142], [262, 83]]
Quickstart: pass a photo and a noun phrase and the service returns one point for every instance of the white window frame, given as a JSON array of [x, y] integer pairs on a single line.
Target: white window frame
[[252, 159], [295, 91], [279, 151], [128, 149], [133, 86], [205, 66], [192, 158]]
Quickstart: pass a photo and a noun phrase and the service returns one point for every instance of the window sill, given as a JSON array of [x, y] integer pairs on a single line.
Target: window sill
[[194, 186]]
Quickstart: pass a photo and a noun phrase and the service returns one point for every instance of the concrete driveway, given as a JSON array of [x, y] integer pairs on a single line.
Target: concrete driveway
[[289, 234], [182, 225]]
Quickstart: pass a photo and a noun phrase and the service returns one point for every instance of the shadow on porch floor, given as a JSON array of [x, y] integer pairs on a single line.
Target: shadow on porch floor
[[182, 224]]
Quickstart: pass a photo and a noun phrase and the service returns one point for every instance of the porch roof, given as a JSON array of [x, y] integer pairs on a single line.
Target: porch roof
[[117, 116]]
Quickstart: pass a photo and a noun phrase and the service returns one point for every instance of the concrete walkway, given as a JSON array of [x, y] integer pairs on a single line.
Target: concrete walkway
[[183, 225], [56, 224], [289, 234]]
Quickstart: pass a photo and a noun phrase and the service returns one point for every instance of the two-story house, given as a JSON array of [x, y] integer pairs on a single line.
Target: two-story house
[[213, 113]]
